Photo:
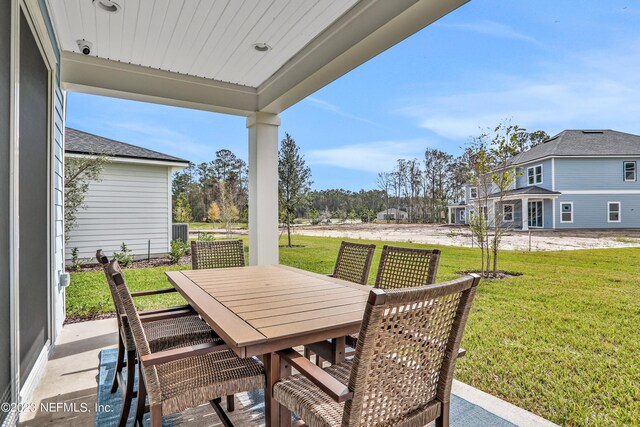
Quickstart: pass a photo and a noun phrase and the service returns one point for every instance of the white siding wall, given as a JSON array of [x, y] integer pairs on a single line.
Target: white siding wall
[[131, 204]]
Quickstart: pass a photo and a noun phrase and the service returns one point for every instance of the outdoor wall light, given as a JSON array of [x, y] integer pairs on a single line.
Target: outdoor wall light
[[261, 47], [106, 5]]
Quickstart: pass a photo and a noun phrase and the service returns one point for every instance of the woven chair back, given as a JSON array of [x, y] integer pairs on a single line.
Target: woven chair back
[[102, 259], [407, 267], [354, 262], [217, 254], [406, 353], [139, 336]]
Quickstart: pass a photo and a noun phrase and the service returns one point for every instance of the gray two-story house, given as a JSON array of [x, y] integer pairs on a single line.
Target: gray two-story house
[[576, 179]]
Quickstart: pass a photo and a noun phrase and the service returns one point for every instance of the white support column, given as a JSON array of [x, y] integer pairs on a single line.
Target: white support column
[[525, 214], [263, 188]]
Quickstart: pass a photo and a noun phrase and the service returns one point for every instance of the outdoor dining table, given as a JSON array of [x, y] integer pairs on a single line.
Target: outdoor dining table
[[259, 310]]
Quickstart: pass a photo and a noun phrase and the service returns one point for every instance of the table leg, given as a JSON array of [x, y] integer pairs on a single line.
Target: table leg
[[338, 348], [276, 415]]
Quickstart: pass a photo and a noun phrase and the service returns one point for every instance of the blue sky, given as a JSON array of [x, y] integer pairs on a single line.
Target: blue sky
[[549, 65]]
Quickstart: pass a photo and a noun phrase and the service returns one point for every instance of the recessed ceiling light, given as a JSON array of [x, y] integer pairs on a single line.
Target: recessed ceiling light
[[106, 5], [261, 47]]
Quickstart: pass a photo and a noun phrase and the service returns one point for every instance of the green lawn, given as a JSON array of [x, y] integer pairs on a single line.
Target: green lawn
[[562, 340]]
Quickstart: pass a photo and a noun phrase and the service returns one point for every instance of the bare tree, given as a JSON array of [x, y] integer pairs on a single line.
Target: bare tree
[[385, 181]]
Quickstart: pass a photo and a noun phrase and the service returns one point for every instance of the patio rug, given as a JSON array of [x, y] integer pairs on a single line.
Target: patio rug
[[249, 407]]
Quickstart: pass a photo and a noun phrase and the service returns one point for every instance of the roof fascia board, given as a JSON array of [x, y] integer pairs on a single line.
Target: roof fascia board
[[366, 30], [556, 156], [98, 76], [135, 160]]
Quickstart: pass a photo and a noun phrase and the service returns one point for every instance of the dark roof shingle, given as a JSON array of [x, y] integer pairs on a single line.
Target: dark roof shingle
[[86, 143], [570, 143]]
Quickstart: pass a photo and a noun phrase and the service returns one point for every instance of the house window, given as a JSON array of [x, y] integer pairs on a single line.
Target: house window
[[507, 213], [534, 174], [629, 171], [473, 192], [613, 212], [566, 212]]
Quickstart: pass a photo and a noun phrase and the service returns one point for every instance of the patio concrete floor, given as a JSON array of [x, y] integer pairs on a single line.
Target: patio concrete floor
[[71, 377]]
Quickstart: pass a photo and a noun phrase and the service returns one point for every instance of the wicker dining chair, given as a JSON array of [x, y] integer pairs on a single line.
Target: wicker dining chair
[[407, 267], [186, 377], [403, 368], [217, 254], [165, 328], [354, 262]]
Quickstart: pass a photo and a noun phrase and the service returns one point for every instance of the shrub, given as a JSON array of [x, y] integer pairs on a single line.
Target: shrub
[[178, 250], [125, 256], [76, 263]]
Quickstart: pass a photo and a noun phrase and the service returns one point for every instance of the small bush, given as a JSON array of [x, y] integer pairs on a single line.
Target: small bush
[[178, 250], [76, 262], [125, 256], [207, 237]]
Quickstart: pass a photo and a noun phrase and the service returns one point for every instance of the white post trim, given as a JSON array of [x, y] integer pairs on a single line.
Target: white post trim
[[525, 214], [553, 213], [263, 188], [14, 225]]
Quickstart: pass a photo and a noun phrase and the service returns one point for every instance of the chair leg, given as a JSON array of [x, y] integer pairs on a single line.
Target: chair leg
[[231, 403], [443, 419], [156, 415], [142, 397], [128, 387], [307, 353], [119, 364], [318, 361]]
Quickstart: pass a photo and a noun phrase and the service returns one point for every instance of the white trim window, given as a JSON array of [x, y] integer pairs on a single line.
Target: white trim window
[[473, 192], [630, 171], [534, 175], [566, 212], [613, 212], [507, 212]]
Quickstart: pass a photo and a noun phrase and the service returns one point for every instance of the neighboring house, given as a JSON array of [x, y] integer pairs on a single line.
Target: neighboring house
[[392, 214], [576, 179], [131, 203]]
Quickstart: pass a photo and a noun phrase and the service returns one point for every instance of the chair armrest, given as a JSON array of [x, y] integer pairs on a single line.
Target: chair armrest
[[166, 315], [153, 292], [166, 310], [331, 386], [181, 353]]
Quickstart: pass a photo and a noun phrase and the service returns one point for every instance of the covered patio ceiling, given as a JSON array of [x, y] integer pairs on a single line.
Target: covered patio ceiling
[[200, 53]]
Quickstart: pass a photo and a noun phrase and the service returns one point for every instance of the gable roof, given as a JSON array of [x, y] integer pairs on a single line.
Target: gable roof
[[571, 143], [79, 142]]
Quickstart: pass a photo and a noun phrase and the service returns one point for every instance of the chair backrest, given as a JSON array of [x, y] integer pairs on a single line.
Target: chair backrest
[[406, 353], [104, 261], [407, 267], [354, 262], [139, 336], [217, 254]]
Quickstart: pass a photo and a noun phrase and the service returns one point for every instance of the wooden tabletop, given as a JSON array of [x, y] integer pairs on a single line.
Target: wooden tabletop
[[262, 309]]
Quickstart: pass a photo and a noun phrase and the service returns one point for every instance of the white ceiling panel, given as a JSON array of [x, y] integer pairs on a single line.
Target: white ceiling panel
[[204, 38]]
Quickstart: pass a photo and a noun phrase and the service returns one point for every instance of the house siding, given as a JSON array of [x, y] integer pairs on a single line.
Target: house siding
[[58, 206], [591, 211], [594, 174], [521, 178], [130, 204]]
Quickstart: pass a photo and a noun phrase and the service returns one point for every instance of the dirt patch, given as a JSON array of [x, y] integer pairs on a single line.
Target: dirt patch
[[498, 275], [78, 319], [142, 263], [537, 240]]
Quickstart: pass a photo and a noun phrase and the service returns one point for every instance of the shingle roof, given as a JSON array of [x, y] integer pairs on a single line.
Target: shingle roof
[[532, 190], [86, 143], [583, 143]]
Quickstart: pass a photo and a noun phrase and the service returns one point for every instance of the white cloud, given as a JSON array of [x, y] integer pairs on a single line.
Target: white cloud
[[592, 90], [368, 157], [491, 28], [163, 139], [337, 110]]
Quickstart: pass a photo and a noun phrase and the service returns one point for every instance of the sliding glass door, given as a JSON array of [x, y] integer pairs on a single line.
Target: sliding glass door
[[535, 214]]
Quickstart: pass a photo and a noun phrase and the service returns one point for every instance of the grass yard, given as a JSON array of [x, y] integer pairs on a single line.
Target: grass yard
[[562, 340]]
